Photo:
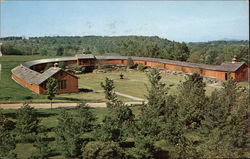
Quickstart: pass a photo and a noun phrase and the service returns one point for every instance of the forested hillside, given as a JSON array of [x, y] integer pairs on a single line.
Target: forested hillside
[[213, 52]]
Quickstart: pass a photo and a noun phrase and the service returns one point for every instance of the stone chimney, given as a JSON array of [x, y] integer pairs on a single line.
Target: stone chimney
[[234, 60]]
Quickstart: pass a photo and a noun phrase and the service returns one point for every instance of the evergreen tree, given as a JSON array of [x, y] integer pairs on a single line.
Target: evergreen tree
[[148, 127], [104, 150], [68, 136], [191, 101], [227, 118], [51, 87], [70, 131], [42, 148], [115, 125], [110, 95], [7, 140], [85, 118], [27, 120]]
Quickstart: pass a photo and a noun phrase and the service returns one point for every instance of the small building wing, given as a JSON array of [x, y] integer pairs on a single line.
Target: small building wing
[[232, 67], [26, 74]]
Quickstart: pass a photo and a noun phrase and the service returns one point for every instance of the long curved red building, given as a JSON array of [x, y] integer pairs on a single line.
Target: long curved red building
[[28, 74]]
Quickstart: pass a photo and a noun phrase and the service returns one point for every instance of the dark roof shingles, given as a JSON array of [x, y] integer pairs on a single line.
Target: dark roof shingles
[[33, 77]]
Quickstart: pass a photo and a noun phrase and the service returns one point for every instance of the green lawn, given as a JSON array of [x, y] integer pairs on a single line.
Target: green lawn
[[134, 84]]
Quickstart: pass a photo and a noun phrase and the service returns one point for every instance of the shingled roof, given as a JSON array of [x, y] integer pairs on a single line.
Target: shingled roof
[[225, 67], [232, 67], [47, 74], [33, 77], [85, 56], [25, 74]]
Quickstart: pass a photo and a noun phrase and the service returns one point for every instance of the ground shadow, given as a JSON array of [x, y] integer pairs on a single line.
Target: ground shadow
[[85, 90]]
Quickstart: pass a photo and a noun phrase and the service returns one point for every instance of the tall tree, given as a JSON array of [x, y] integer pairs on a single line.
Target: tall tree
[[227, 119], [192, 101], [148, 126], [27, 120], [70, 131], [110, 95], [68, 134]]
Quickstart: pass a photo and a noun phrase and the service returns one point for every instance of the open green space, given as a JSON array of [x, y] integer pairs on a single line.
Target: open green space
[[134, 84]]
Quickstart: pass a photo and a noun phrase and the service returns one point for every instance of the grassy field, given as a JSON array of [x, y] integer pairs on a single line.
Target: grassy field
[[134, 84]]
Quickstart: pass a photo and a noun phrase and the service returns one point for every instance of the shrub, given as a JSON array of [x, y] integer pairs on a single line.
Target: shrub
[[141, 67], [76, 69]]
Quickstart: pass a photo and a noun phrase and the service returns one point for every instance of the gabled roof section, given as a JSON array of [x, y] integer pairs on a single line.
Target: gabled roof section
[[85, 56], [25, 74], [32, 77], [232, 67], [47, 74]]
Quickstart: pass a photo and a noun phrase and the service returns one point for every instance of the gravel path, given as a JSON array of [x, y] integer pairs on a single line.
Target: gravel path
[[58, 105]]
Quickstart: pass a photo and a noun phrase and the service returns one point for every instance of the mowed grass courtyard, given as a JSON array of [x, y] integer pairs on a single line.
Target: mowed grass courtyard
[[135, 84]]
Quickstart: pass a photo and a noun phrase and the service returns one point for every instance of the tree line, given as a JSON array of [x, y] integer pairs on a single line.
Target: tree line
[[214, 52], [188, 124]]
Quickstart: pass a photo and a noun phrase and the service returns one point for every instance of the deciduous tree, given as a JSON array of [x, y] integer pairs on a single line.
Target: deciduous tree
[[51, 86]]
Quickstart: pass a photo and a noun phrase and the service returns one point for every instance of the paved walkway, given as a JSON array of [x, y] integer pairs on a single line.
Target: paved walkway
[[128, 96], [58, 105], [123, 95]]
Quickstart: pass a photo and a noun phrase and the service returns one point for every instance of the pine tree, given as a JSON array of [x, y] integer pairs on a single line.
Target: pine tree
[[104, 150], [27, 120], [7, 140], [110, 95], [156, 94], [85, 118], [147, 129], [70, 131], [68, 134], [227, 118], [191, 101], [116, 124]]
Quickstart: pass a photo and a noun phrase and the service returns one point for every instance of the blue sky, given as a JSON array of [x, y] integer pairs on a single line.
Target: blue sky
[[175, 20]]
